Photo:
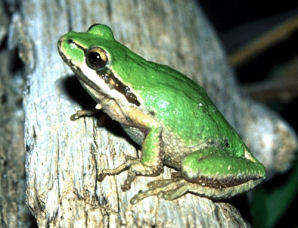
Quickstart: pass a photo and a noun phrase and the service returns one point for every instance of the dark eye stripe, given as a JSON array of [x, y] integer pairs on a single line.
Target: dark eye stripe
[[115, 83]]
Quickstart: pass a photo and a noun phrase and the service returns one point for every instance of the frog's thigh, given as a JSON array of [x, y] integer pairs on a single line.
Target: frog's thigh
[[215, 174]]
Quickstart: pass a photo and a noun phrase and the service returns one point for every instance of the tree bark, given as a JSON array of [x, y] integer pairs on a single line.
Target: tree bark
[[63, 157], [13, 210]]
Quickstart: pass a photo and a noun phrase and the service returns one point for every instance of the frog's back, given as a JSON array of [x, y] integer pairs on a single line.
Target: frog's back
[[185, 109]]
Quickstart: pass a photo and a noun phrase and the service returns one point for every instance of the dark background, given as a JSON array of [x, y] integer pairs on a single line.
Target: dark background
[[239, 22]]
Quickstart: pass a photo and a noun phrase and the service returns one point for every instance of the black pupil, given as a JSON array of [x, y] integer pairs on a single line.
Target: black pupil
[[94, 60]]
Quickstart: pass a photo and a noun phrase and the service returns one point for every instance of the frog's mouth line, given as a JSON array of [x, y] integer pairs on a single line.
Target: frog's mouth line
[[105, 74]]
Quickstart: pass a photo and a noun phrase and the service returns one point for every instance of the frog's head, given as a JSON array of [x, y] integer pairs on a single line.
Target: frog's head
[[91, 55]]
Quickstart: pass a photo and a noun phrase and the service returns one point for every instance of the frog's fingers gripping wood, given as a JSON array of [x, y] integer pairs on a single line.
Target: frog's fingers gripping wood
[[130, 177], [83, 113]]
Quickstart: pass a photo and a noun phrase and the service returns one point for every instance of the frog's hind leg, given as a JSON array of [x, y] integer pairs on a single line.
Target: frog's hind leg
[[210, 173], [216, 174]]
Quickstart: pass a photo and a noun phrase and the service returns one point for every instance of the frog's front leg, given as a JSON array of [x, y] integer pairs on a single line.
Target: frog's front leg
[[209, 172], [150, 163]]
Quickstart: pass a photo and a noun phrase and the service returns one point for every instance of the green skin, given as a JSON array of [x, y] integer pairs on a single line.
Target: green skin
[[169, 115]]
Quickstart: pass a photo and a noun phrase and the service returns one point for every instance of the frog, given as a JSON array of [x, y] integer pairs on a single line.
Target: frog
[[167, 114]]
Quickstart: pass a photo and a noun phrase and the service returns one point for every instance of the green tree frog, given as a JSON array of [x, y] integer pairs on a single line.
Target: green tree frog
[[165, 112]]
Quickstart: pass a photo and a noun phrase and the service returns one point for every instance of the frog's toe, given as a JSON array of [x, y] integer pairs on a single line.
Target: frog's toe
[[174, 193], [131, 176], [159, 183], [142, 195], [173, 189], [101, 176], [169, 189]]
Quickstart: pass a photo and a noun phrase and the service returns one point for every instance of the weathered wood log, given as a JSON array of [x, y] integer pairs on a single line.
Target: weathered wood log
[[64, 157]]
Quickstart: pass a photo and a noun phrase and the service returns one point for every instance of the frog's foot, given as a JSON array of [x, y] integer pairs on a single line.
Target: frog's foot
[[116, 171], [135, 168], [83, 113], [168, 189]]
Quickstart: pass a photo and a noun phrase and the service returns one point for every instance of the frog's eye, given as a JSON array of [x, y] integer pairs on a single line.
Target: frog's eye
[[96, 58]]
